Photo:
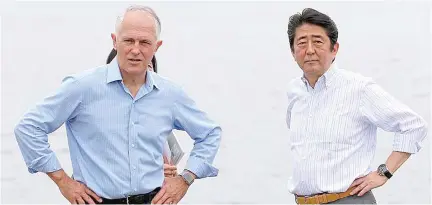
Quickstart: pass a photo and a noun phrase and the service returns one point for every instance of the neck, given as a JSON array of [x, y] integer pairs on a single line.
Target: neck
[[133, 82], [133, 79], [312, 79]]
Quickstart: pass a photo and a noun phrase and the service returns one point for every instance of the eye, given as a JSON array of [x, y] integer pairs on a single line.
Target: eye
[[301, 43], [145, 42], [318, 42]]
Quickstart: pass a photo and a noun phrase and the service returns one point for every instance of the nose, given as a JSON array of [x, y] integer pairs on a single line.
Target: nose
[[135, 49], [310, 49]]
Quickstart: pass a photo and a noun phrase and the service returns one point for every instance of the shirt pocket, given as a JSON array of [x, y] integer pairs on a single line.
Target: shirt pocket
[[153, 125]]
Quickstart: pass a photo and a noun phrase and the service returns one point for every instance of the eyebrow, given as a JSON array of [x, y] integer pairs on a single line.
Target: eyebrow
[[313, 36]]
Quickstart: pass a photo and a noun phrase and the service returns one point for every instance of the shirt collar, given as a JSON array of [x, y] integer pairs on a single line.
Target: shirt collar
[[328, 76], [151, 80], [115, 75]]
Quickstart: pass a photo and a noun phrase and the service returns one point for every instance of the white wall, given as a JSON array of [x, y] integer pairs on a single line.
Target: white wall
[[234, 60]]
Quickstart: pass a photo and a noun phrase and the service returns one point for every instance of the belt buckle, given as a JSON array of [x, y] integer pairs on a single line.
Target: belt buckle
[[127, 199], [297, 197]]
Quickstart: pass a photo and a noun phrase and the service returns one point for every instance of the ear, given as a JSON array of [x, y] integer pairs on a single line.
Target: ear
[[335, 48], [293, 54], [158, 44], [114, 39]]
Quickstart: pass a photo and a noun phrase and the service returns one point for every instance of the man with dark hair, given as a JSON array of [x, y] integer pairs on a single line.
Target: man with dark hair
[[333, 115]]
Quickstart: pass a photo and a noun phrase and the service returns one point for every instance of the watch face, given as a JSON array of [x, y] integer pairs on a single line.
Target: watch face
[[381, 169], [188, 177]]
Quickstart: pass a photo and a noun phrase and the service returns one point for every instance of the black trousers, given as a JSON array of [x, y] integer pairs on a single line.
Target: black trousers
[[135, 199]]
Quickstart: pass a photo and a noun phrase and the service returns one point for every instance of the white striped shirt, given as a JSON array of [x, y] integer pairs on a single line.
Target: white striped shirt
[[333, 129]]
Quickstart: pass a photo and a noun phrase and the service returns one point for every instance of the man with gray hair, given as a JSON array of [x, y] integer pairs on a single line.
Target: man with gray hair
[[117, 118]]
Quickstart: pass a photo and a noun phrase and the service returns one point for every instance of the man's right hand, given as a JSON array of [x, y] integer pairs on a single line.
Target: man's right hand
[[74, 191]]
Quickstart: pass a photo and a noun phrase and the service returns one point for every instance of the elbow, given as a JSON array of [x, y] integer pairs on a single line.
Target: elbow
[[18, 131], [20, 134], [214, 137], [218, 134], [424, 128]]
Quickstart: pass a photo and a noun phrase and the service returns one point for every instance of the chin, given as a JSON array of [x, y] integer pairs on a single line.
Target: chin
[[135, 69], [311, 69]]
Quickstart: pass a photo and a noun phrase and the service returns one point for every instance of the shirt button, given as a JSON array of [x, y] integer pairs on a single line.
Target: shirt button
[[133, 145], [135, 189], [134, 167]]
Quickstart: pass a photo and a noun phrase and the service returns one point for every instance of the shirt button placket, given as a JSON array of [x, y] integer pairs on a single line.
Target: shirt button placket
[[309, 114], [132, 133]]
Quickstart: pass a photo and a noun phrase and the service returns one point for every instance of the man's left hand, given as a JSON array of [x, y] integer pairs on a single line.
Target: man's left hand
[[172, 191], [367, 183]]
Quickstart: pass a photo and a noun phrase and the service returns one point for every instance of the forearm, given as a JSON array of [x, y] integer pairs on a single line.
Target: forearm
[[58, 176], [395, 160], [34, 146], [203, 154]]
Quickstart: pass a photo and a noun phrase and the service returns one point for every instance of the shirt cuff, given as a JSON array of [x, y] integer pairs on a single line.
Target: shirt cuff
[[201, 168], [407, 143], [45, 164]]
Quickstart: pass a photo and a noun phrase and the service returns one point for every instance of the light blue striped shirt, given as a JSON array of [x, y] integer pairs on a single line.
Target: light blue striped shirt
[[116, 141]]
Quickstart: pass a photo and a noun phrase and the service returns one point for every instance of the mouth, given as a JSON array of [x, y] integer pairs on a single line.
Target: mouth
[[311, 61], [134, 60]]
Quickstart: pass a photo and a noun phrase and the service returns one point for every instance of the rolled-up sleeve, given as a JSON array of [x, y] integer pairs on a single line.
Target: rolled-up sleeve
[[205, 133], [386, 112], [47, 116]]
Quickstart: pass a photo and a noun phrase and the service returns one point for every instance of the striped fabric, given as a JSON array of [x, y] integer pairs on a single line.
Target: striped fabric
[[116, 141], [333, 129]]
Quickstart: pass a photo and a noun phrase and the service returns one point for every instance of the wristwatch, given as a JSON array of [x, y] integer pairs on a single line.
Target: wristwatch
[[383, 171], [188, 177]]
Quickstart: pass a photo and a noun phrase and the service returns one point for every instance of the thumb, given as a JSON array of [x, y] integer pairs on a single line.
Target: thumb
[[165, 159]]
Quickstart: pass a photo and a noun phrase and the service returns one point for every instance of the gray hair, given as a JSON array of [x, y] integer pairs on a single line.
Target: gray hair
[[143, 9]]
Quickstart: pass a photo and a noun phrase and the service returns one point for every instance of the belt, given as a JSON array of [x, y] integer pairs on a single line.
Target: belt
[[134, 199], [323, 198]]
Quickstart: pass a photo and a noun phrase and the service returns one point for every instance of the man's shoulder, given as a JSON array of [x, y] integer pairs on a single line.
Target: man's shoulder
[[88, 76], [295, 82], [353, 77], [165, 83], [294, 85]]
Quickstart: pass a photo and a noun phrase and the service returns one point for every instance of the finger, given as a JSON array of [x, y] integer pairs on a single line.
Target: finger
[[364, 190], [159, 195], [88, 199], [165, 160], [79, 200], [170, 167], [94, 195], [357, 182], [358, 188], [164, 200]]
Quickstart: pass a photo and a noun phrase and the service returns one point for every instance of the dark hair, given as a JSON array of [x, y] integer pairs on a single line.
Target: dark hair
[[113, 53], [312, 16]]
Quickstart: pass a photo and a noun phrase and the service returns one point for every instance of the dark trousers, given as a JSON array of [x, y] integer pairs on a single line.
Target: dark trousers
[[135, 199]]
